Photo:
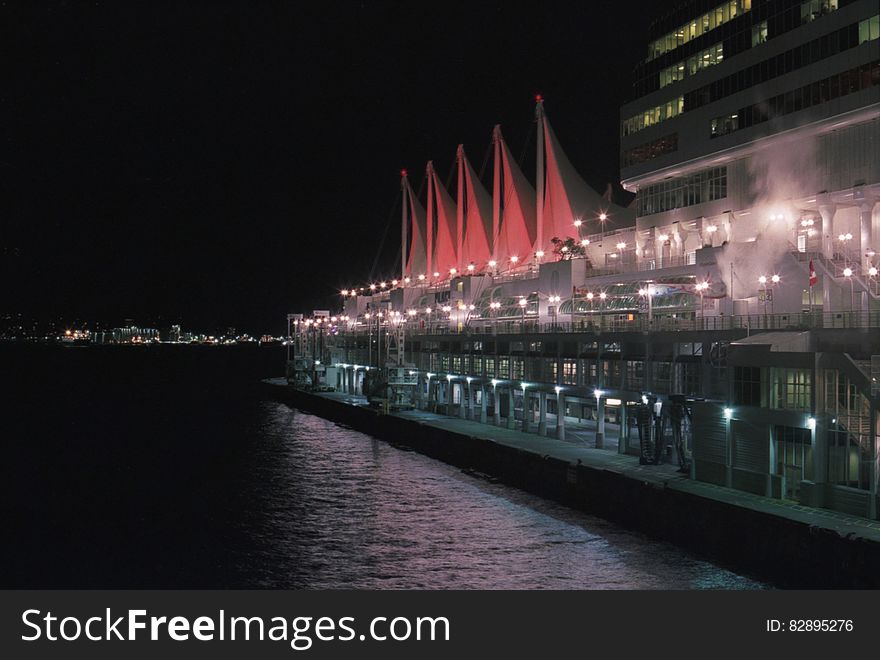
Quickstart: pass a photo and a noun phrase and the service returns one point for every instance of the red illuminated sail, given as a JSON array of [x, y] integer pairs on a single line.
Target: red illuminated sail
[[445, 256], [518, 222], [477, 216]]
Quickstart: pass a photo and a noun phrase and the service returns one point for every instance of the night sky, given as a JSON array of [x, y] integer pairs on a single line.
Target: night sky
[[223, 164]]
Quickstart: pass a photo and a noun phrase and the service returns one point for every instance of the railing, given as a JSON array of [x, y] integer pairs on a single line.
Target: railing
[[750, 323]]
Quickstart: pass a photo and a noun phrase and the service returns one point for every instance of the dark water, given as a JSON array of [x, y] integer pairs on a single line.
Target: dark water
[[164, 467]]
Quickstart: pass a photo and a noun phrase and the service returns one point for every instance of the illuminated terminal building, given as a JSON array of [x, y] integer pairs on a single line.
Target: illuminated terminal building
[[742, 279]]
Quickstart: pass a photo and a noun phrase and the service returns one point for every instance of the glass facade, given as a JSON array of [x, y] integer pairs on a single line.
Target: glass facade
[[644, 152], [702, 60], [806, 54], [706, 186], [821, 91], [698, 27], [653, 116]]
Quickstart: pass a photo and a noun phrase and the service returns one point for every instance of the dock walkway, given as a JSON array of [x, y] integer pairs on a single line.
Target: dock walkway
[[664, 476]]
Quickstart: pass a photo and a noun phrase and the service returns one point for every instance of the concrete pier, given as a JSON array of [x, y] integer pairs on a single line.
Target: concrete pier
[[789, 544]]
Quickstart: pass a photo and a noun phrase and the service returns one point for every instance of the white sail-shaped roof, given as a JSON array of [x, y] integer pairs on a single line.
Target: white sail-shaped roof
[[568, 198], [445, 257], [416, 263], [516, 236], [477, 214]]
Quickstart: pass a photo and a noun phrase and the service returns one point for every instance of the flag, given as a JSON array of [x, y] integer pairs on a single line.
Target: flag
[[813, 278]]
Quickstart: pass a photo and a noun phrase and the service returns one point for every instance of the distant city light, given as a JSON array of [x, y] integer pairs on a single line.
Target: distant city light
[[712, 229], [421, 277], [775, 279], [539, 253], [585, 242], [847, 272], [493, 263], [663, 238], [514, 258], [344, 292], [621, 245], [578, 223], [603, 217]]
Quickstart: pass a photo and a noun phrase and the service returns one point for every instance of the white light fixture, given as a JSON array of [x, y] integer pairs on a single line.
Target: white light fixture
[[728, 413], [811, 423], [557, 389], [598, 394]]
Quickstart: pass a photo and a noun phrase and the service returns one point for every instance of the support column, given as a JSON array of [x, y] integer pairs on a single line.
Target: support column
[[866, 209], [827, 210], [511, 420], [483, 403], [496, 407], [525, 419], [449, 393], [560, 416], [542, 413], [600, 423], [623, 436], [463, 396]]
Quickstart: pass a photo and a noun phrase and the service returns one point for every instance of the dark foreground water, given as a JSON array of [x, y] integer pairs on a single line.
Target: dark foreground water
[[164, 467]]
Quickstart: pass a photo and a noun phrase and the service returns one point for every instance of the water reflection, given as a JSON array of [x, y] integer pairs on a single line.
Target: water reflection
[[327, 507]]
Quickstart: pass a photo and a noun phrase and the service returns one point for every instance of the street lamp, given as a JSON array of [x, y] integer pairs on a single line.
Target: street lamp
[[555, 300], [701, 287], [848, 273], [844, 238]]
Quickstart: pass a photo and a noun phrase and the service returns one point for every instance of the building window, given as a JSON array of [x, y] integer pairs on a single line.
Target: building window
[[489, 367], [644, 152], [821, 91], [759, 33], [504, 367], [724, 125], [653, 116], [706, 186], [869, 29], [791, 389], [517, 369], [747, 386], [813, 9], [699, 26], [569, 372]]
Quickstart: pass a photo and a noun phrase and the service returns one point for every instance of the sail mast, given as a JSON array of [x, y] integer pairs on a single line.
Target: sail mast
[[539, 176], [459, 211], [429, 170], [496, 190], [403, 222]]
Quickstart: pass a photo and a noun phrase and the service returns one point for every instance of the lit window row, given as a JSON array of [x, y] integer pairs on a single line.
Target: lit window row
[[869, 29], [706, 186], [653, 116], [650, 150], [821, 91], [813, 9], [702, 60], [699, 26]]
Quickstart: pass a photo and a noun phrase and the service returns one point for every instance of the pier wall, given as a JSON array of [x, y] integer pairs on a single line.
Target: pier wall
[[786, 552]]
